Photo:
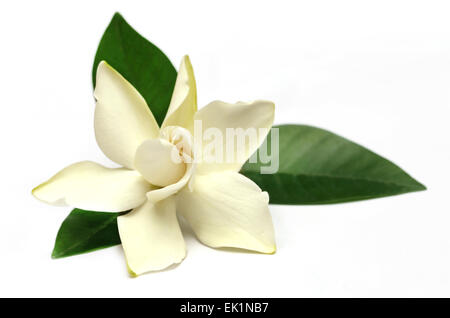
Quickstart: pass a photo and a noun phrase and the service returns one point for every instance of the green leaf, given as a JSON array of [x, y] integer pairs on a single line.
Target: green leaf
[[145, 66], [85, 231], [319, 167]]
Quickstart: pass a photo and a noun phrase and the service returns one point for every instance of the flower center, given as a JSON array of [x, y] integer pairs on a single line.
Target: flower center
[[162, 161], [181, 138]]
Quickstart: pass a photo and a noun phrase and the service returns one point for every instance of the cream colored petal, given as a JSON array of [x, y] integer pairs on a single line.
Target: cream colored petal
[[162, 193], [242, 128], [226, 209], [151, 237], [159, 162], [122, 118], [183, 104], [90, 186]]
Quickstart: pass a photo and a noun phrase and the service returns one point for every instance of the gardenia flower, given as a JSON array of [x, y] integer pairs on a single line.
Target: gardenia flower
[[162, 175]]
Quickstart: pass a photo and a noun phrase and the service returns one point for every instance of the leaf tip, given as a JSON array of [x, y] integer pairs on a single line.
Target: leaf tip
[[421, 187], [117, 15], [55, 255], [417, 186]]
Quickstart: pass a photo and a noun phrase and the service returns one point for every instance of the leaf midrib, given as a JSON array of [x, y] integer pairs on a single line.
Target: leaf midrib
[[417, 186], [86, 238]]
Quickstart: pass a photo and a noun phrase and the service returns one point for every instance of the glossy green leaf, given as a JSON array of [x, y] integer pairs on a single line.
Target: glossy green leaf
[[319, 167], [144, 65], [85, 231]]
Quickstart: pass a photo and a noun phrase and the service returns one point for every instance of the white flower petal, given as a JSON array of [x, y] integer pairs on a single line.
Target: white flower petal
[[151, 237], [122, 118], [226, 209], [90, 186], [254, 118], [162, 193], [159, 162], [183, 104]]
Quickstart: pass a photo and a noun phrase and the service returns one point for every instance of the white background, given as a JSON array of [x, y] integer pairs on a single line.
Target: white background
[[376, 72]]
